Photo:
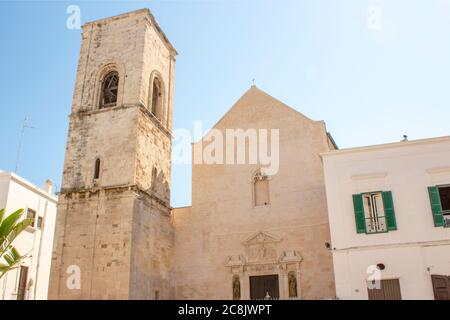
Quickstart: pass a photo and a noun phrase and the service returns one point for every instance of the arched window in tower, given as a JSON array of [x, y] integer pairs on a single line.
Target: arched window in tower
[[97, 167], [261, 190], [157, 98], [109, 90]]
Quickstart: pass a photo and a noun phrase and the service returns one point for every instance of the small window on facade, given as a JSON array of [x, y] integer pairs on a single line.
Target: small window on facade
[[440, 205], [444, 195], [97, 169], [31, 214], [374, 212], [154, 178], [109, 90], [157, 98], [156, 295], [40, 222], [261, 190]]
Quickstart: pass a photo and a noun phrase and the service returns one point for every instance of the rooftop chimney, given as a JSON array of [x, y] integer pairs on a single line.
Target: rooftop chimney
[[48, 186]]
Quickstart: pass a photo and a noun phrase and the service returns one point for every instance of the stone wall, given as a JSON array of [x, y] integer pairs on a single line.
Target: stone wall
[[117, 229], [93, 232], [223, 234]]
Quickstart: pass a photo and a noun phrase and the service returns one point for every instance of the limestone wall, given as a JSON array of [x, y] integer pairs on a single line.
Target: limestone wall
[[117, 228], [224, 234]]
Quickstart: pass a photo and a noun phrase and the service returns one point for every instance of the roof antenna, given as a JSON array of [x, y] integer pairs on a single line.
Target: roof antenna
[[25, 124], [405, 137]]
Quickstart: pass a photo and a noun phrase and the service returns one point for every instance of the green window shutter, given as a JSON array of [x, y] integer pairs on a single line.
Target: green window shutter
[[436, 207], [389, 211], [360, 219]]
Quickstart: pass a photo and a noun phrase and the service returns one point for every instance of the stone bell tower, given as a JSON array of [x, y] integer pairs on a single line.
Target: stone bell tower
[[114, 238]]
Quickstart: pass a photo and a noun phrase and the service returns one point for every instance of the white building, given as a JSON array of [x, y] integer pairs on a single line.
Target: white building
[[30, 280], [389, 213]]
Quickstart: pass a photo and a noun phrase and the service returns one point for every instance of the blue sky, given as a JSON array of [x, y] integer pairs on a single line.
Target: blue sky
[[370, 82]]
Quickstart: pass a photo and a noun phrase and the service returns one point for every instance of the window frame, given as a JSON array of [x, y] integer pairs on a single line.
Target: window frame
[[445, 213], [439, 187], [97, 169], [157, 109], [34, 213], [441, 217], [376, 218], [40, 222], [107, 74], [259, 176]]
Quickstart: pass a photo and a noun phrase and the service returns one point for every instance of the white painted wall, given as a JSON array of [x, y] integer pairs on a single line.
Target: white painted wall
[[417, 249], [16, 193]]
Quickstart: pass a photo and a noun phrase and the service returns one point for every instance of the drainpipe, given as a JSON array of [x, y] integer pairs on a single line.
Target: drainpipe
[[38, 265], [48, 189]]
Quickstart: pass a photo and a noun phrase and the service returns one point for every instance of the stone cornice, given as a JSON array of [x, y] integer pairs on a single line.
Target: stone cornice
[[128, 187], [142, 108]]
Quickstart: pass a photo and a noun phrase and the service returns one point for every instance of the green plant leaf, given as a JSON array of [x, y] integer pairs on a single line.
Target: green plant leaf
[[14, 232], [10, 228], [9, 222]]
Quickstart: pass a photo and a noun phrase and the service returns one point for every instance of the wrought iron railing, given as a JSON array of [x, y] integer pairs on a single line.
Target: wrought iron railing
[[376, 224]]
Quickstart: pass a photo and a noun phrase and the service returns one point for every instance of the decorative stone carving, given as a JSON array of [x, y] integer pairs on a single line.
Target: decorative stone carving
[[235, 261], [292, 278], [262, 252], [262, 267], [236, 288], [291, 256], [261, 247]]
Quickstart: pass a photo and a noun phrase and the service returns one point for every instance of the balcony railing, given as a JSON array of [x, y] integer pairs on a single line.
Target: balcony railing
[[446, 216], [376, 224]]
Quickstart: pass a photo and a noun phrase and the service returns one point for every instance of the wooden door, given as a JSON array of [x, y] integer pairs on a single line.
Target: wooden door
[[389, 290], [23, 279], [441, 287], [260, 286]]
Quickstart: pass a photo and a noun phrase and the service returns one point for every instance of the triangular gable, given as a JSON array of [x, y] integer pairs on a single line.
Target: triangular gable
[[261, 237], [251, 94]]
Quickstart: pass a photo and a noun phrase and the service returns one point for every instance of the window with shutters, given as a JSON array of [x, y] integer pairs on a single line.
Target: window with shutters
[[261, 190], [444, 196], [440, 205], [374, 212]]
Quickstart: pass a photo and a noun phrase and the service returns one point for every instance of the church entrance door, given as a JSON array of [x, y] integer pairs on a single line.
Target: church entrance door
[[262, 287]]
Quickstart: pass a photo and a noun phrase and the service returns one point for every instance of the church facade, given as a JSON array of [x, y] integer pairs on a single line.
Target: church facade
[[249, 234]]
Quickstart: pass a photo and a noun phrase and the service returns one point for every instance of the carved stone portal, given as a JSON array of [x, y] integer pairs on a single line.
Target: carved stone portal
[[264, 257]]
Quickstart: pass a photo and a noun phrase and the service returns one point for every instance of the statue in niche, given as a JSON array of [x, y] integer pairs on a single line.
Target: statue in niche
[[236, 288], [292, 285]]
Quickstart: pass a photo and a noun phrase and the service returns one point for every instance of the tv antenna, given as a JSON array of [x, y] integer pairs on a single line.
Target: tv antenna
[[26, 124]]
